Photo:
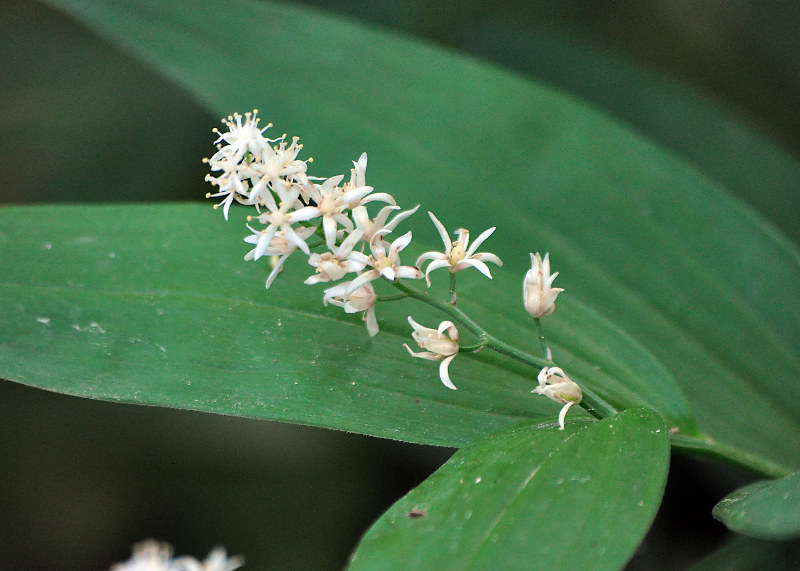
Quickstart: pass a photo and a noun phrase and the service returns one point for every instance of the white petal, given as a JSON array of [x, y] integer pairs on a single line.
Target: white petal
[[388, 273], [347, 246], [372, 322], [381, 196], [407, 272], [485, 234], [444, 325], [400, 243], [430, 256], [264, 241], [355, 194], [435, 265], [400, 217], [329, 227], [360, 280], [361, 217], [304, 214], [477, 264], [448, 243], [275, 271], [293, 238], [444, 373], [487, 257], [424, 354], [563, 413]]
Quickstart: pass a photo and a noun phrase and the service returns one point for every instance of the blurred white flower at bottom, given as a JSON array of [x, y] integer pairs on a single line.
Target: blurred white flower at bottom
[[152, 555]]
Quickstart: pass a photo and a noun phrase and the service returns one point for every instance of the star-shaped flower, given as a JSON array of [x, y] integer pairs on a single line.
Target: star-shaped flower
[[381, 222], [240, 138], [458, 254], [386, 264], [278, 217]]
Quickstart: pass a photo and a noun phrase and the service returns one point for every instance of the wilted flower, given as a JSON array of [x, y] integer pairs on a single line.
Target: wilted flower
[[439, 347], [153, 555], [537, 294], [362, 299], [456, 256], [555, 385]]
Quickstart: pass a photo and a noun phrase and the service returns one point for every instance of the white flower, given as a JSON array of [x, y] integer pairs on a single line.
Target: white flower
[[554, 384], [358, 179], [276, 163], [278, 245], [386, 264], [152, 555], [230, 183], [358, 174], [362, 299], [439, 347], [330, 204], [341, 260], [537, 294], [456, 256], [279, 218], [371, 227], [241, 138]]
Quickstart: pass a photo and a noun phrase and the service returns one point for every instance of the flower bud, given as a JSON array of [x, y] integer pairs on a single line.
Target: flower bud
[[537, 294]]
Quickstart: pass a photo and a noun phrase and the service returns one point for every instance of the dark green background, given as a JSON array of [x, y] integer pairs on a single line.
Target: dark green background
[[83, 122]]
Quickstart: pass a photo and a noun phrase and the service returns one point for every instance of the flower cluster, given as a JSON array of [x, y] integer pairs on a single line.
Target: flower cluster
[[152, 555], [298, 212], [354, 250]]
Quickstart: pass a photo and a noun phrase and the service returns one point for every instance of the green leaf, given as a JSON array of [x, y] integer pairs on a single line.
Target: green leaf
[[526, 497], [650, 242], [764, 510], [134, 304], [725, 146], [746, 554]]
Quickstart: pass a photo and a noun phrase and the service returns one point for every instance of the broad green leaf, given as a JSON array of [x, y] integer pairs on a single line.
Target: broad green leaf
[[644, 238], [153, 304], [746, 554], [726, 146], [764, 510], [527, 498]]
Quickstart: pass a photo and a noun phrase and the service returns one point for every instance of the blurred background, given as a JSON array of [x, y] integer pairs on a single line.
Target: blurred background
[[717, 82]]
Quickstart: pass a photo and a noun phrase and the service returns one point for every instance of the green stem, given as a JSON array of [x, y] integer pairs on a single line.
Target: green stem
[[592, 402], [540, 335], [453, 298], [474, 348], [391, 297], [707, 446]]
